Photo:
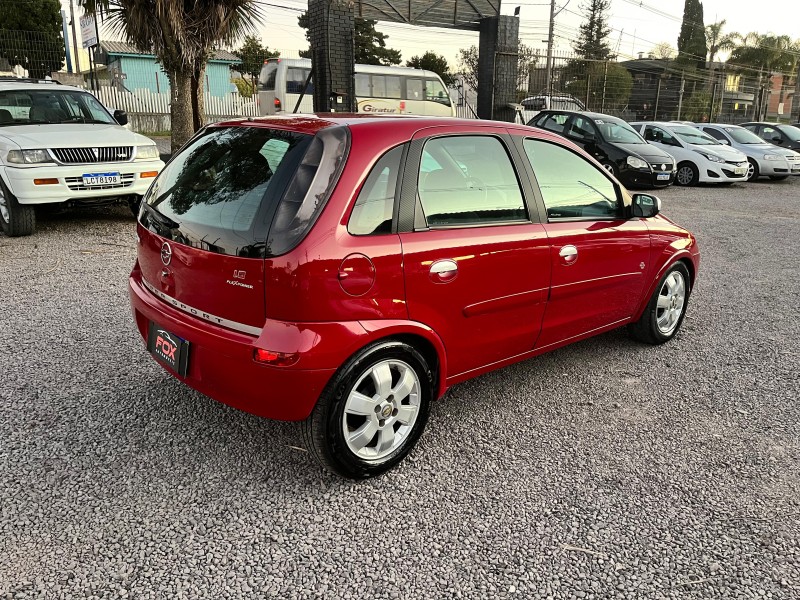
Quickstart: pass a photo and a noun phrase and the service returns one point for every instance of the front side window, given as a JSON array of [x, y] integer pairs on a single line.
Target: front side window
[[660, 136], [474, 184], [372, 213], [434, 91], [572, 187], [582, 129], [690, 135], [717, 135]]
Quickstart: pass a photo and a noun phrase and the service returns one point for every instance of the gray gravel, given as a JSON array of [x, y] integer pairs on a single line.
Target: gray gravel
[[604, 470]]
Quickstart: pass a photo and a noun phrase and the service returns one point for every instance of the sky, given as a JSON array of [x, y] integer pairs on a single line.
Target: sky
[[637, 25], [635, 28]]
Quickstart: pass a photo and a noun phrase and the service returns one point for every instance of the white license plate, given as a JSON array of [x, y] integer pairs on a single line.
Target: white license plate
[[101, 178], [740, 170], [662, 176]]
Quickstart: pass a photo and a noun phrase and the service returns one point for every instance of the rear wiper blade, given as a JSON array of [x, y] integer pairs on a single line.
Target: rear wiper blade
[[162, 219]]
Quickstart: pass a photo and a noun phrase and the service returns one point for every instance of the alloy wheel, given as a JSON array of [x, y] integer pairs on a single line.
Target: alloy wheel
[[750, 170], [671, 300], [685, 175], [381, 409], [3, 205]]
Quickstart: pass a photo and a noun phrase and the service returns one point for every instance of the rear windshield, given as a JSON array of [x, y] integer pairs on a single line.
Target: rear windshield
[[266, 79], [217, 192]]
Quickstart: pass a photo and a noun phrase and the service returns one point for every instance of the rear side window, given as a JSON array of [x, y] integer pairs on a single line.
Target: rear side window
[[572, 188], [211, 195], [372, 213], [552, 122], [474, 184]]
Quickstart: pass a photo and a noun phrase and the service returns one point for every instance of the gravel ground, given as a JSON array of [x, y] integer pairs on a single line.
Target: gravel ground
[[604, 470]]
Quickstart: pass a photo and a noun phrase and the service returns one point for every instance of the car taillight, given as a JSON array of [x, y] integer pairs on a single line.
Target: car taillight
[[276, 359], [277, 104]]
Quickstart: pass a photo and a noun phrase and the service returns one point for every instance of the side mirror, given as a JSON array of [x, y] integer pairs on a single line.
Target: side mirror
[[646, 206], [121, 117], [776, 139], [724, 142]]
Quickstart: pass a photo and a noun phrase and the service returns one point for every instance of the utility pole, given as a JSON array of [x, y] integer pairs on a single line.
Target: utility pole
[[680, 97], [550, 47], [74, 37]]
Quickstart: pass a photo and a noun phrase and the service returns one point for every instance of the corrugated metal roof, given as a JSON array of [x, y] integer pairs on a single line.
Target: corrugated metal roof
[[126, 48]]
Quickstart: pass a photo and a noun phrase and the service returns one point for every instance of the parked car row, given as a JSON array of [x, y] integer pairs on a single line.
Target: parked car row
[[658, 154]]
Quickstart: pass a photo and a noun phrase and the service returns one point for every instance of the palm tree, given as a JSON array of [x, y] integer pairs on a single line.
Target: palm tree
[[717, 42], [765, 53], [183, 35]]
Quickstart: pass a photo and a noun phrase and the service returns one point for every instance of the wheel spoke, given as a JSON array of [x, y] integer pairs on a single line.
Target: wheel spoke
[[405, 386], [364, 434], [385, 439], [406, 413], [359, 404], [382, 376], [663, 302]]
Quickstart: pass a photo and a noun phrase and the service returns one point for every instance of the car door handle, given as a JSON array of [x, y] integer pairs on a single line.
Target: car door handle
[[569, 254], [443, 271]]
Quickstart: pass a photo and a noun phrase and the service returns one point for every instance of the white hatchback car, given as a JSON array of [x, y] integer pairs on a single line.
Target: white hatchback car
[[59, 145], [700, 158]]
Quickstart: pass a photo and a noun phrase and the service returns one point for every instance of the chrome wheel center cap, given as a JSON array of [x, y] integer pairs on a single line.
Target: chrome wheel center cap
[[386, 411]]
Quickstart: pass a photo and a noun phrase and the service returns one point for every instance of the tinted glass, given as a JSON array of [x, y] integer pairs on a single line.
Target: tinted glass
[[615, 130], [533, 104], [362, 85], [793, 133], [415, 89], [475, 183], [718, 135], [659, 135], [211, 195], [52, 106], [266, 79], [582, 129], [372, 212], [571, 186], [296, 81], [552, 122]]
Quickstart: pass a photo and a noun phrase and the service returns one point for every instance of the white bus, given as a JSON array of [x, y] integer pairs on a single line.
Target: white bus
[[380, 90]]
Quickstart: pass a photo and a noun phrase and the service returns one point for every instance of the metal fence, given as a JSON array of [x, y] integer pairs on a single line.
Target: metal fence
[[31, 53]]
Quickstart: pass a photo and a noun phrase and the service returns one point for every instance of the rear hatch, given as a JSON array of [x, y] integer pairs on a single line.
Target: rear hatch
[[204, 222]]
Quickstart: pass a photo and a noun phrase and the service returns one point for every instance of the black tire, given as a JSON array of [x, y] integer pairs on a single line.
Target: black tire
[[778, 177], [323, 431], [647, 328], [15, 219], [134, 203], [687, 174], [753, 171]]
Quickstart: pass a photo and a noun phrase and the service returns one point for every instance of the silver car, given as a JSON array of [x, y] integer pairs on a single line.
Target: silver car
[[765, 160]]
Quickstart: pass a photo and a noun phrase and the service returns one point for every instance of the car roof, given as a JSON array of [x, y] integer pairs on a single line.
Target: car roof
[[10, 86], [667, 124], [311, 123]]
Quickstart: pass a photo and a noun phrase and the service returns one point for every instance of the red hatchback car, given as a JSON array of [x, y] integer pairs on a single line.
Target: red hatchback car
[[345, 270]]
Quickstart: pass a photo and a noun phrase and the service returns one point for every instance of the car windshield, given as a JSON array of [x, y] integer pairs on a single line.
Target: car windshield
[[618, 131], [790, 131], [690, 135], [742, 136], [38, 106]]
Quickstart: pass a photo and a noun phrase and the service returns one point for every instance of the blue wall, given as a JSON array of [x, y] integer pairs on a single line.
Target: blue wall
[[143, 72]]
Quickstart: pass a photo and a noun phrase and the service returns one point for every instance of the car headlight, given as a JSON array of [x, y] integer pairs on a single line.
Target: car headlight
[[637, 163], [771, 157], [28, 157], [712, 157], [148, 152]]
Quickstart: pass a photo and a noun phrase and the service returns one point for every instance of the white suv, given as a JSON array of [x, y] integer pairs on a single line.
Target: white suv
[[59, 145]]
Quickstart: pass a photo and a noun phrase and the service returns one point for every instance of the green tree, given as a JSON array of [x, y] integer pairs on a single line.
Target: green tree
[[30, 36], [182, 35], [253, 55], [592, 42], [468, 66], [696, 107], [430, 61], [369, 43], [716, 42], [603, 86], [692, 39]]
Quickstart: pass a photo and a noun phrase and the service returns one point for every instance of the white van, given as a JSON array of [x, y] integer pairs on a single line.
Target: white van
[[379, 89], [533, 105]]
